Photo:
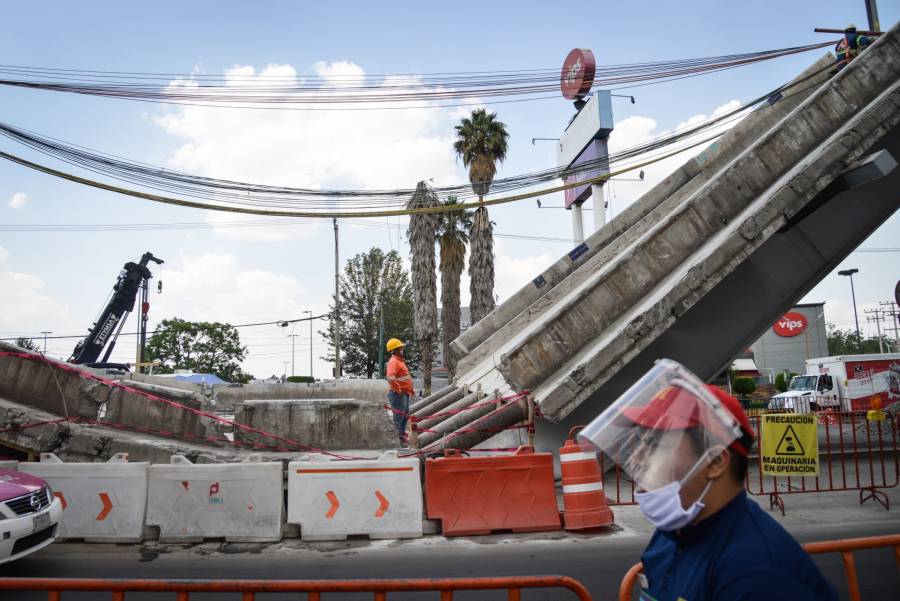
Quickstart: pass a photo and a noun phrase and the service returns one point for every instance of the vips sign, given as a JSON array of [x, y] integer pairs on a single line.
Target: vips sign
[[791, 324], [577, 75]]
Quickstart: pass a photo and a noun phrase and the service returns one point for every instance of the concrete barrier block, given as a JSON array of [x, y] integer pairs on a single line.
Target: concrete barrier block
[[334, 499], [240, 502], [102, 502], [9, 465], [321, 423]]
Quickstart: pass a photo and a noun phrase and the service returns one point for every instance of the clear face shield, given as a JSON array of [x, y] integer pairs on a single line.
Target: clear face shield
[[663, 427]]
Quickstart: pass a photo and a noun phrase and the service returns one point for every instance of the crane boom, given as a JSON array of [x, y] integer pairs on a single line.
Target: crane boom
[[104, 332]]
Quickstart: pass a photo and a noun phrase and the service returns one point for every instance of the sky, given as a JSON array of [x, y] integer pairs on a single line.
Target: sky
[[58, 281]]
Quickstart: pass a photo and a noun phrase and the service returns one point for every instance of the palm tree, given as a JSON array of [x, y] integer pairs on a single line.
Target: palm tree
[[481, 141], [453, 234], [421, 234]]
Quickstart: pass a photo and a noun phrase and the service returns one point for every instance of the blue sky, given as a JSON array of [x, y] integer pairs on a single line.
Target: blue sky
[[59, 280]]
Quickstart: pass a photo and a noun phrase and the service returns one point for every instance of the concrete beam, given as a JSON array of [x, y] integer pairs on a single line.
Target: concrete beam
[[486, 338]]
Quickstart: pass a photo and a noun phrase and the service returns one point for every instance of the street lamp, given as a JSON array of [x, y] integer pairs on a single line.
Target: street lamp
[[849, 273]]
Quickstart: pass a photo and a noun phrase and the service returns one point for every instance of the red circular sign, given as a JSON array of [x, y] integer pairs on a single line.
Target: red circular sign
[[791, 324], [578, 72]]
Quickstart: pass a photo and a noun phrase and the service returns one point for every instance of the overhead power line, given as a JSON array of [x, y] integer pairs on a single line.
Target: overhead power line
[[258, 199], [168, 330], [352, 91]]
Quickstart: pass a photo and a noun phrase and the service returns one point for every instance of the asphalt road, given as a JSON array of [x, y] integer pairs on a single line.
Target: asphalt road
[[599, 562]]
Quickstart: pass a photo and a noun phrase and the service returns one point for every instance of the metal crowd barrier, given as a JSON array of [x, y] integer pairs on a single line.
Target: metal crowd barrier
[[313, 588], [845, 547], [854, 454]]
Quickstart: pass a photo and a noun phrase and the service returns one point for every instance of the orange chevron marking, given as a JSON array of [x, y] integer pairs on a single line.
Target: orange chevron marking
[[107, 507], [382, 509], [62, 499], [335, 504]]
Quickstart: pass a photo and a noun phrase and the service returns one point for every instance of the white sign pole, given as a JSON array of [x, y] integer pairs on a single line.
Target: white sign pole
[[577, 225], [599, 206]]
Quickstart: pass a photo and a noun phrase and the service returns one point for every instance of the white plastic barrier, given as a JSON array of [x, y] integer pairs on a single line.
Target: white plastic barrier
[[102, 502], [240, 502], [333, 499], [11, 464]]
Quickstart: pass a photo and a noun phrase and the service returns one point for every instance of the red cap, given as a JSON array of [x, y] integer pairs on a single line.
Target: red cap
[[672, 408], [741, 445], [675, 408]]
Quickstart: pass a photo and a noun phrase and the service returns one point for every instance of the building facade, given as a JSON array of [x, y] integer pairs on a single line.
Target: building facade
[[800, 334]]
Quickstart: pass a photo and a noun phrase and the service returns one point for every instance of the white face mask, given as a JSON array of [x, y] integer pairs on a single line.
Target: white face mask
[[663, 505]]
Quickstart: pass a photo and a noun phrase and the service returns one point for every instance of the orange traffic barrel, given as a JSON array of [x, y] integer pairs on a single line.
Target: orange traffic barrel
[[582, 483]]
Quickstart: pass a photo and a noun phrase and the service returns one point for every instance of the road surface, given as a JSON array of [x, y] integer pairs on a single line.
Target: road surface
[[599, 562]]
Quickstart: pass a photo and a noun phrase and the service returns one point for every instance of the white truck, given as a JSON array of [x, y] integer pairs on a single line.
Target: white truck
[[843, 383]]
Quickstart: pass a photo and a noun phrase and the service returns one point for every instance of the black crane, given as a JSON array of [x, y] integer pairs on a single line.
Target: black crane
[[104, 332]]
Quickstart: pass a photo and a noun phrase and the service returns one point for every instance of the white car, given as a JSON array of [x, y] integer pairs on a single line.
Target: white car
[[29, 514]]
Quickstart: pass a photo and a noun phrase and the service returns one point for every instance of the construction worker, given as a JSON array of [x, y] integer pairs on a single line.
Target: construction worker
[[685, 445], [401, 386], [850, 46]]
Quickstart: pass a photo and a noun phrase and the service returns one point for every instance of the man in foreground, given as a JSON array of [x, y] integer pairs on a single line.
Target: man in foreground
[[686, 445]]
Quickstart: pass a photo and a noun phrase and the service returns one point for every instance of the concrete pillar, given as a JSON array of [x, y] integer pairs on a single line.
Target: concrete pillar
[[599, 206], [577, 225]]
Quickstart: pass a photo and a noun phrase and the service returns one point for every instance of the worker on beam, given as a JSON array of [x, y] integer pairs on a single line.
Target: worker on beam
[[850, 46], [686, 446]]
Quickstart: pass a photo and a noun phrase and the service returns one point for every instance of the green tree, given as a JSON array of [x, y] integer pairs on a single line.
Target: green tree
[[453, 234], [28, 344], [421, 234], [744, 386], [198, 346], [782, 381], [846, 342], [481, 142], [372, 281]]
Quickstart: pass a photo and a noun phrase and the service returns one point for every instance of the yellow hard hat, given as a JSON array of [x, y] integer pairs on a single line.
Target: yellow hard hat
[[393, 344]]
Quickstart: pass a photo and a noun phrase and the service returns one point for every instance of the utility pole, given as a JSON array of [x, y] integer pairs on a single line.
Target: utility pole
[[872, 14], [293, 340], [890, 308], [381, 336], [310, 345], [337, 305], [876, 317], [45, 332], [849, 273]]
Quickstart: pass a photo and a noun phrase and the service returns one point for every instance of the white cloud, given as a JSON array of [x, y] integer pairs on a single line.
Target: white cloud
[[25, 305], [218, 287], [314, 149], [19, 200]]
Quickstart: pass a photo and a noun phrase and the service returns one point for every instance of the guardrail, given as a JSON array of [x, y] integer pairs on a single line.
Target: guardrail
[[845, 547], [313, 588]]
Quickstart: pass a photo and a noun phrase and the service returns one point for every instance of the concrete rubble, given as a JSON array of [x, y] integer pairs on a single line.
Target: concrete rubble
[[83, 419]]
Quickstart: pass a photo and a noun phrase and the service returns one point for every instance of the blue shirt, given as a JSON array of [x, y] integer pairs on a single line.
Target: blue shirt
[[739, 553]]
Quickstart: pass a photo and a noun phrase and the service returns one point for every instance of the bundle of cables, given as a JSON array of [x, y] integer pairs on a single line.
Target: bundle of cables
[[355, 92]]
